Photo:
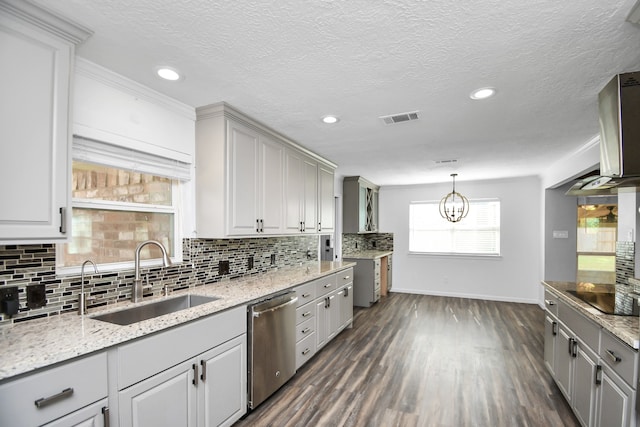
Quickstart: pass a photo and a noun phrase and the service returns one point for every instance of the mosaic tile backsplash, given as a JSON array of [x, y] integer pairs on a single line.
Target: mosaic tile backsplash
[[27, 266], [625, 262], [373, 241]]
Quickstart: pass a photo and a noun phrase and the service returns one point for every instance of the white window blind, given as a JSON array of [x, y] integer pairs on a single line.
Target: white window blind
[[477, 234], [102, 153]]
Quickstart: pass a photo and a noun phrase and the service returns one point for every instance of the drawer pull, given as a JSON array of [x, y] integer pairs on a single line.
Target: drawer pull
[[328, 285], [346, 278], [45, 401], [614, 357], [306, 295], [305, 352], [105, 415], [598, 379], [306, 314], [305, 330], [549, 302]]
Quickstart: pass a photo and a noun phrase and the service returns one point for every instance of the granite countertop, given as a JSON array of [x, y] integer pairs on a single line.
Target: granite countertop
[[367, 254], [36, 344], [627, 328]]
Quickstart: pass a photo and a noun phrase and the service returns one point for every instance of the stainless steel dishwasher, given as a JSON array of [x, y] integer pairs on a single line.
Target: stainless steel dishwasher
[[272, 346]]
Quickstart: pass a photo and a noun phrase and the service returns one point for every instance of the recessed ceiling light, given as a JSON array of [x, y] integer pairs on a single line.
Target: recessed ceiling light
[[330, 119], [483, 93], [168, 73]]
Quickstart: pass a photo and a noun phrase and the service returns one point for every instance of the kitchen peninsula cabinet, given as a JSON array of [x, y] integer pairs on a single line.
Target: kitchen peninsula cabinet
[[251, 181], [367, 281], [35, 131], [594, 370]]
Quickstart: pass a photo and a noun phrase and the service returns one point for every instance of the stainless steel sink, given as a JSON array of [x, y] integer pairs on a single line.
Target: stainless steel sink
[[154, 309]]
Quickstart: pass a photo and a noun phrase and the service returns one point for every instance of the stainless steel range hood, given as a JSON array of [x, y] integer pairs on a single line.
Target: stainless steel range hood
[[619, 109]]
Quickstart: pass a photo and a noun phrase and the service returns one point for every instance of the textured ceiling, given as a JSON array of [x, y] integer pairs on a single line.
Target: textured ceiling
[[290, 62]]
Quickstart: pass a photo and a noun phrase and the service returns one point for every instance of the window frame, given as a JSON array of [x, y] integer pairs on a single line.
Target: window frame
[[176, 208], [452, 226]]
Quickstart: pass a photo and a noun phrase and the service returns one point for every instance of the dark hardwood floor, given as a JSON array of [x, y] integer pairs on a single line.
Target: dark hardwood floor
[[415, 360]]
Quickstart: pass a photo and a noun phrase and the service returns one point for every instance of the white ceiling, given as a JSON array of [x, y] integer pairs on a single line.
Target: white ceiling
[[288, 63]]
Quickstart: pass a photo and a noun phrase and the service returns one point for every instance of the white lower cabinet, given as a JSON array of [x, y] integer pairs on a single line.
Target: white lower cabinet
[[595, 371], [204, 391], [191, 375], [74, 393]]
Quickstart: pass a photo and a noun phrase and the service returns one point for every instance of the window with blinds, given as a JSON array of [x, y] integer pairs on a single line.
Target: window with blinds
[[477, 234], [120, 198]]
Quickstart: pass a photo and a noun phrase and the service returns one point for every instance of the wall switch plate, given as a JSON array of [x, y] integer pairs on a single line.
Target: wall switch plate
[[223, 267], [250, 263], [9, 303], [36, 296]]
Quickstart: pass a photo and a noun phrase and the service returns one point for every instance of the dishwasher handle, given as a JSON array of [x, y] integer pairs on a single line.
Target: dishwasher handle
[[277, 307]]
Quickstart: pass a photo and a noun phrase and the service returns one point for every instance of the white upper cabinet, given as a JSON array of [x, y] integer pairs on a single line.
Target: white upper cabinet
[[35, 82], [250, 181], [326, 199]]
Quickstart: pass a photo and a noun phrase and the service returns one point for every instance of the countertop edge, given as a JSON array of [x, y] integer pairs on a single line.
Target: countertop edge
[[625, 328], [369, 254]]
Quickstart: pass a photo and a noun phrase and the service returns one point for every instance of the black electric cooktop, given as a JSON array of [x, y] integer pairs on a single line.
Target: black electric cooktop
[[610, 301]]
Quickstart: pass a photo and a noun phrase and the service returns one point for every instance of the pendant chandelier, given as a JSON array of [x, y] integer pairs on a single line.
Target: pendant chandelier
[[454, 206]]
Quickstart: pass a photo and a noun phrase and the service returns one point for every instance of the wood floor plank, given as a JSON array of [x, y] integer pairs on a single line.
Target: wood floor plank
[[415, 360]]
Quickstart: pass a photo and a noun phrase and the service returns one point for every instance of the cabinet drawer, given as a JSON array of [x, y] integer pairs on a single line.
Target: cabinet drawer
[[620, 357], [584, 328], [305, 350], [551, 302], [325, 285], [304, 313], [306, 293], [305, 328], [344, 277], [83, 381], [143, 358]]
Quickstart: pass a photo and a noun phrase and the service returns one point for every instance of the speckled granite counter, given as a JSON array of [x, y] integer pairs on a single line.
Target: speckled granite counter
[[368, 254], [627, 328], [31, 345]]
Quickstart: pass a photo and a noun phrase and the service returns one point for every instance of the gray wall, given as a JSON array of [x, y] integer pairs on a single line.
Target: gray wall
[[560, 214]]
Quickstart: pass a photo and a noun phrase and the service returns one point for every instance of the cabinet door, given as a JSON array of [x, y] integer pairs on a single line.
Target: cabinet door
[[310, 203], [34, 130], [294, 191], [326, 199], [346, 307], [223, 374], [562, 361], [615, 400], [584, 385], [335, 299], [167, 399], [271, 187], [242, 198], [322, 326], [550, 333]]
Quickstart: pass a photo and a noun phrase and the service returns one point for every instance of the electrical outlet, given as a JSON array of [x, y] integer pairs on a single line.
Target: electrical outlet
[[273, 259], [36, 296], [250, 263], [373, 243], [9, 303], [223, 267]]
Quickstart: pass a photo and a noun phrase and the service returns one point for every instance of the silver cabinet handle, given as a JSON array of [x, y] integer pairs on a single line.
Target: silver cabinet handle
[[262, 225], [203, 377], [195, 374], [574, 349], [570, 344], [305, 330], [306, 314], [257, 225], [105, 416], [549, 302], [554, 328], [306, 295], [63, 220], [613, 356], [345, 278], [328, 285], [598, 374], [305, 352], [45, 401]]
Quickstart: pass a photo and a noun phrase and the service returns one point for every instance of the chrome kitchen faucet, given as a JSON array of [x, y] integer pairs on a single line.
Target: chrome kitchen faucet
[[136, 288]]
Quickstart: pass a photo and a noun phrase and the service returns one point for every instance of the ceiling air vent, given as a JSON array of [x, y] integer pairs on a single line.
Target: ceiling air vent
[[399, 118], [446, 162]]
